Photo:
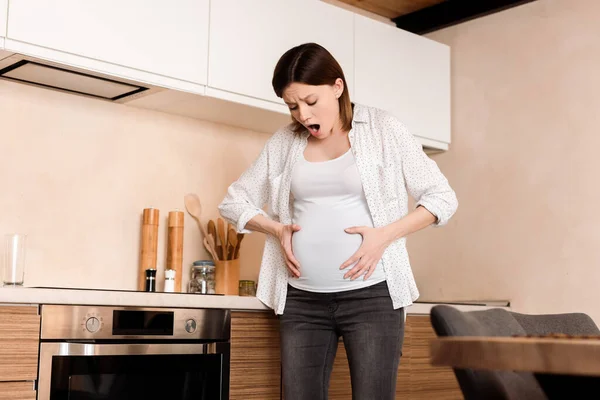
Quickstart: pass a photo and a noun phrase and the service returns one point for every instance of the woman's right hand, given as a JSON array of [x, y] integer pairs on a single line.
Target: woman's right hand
[[284, 234]]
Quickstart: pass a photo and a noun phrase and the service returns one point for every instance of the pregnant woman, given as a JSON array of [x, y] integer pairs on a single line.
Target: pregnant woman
[[336, 182]]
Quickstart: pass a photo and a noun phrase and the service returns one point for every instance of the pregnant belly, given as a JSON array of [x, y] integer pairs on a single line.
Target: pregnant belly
[[322, 245]]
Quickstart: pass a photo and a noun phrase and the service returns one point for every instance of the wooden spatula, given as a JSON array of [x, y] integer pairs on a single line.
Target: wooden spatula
[[236, 251], [212, 231], [222, 237], [232, 243]]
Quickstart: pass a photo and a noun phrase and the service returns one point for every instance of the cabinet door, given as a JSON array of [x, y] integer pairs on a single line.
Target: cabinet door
[[255, 357], [17, 391], [405, 74], [248, 37], [426, 381], [20, 335], [158, 37], [3, 19]]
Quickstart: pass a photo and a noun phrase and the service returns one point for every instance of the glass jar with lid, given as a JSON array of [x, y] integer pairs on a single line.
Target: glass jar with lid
[[202, 277], [247, 288]]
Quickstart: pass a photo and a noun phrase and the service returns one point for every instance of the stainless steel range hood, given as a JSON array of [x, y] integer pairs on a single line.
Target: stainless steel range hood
[[42, 73]]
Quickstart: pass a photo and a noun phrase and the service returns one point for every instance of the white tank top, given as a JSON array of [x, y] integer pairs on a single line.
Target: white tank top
[[328, 198]]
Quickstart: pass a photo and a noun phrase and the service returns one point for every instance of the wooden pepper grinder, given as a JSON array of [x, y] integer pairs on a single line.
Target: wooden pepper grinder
[[148, 250], [175, 246]]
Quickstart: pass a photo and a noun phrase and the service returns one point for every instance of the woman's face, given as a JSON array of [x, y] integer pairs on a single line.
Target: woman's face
[[315, 107]]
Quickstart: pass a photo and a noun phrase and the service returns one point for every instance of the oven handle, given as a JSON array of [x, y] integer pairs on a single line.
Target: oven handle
[[87, 349], [51, 349]]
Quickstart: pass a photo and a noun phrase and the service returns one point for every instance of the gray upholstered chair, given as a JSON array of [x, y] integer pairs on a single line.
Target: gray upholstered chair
[[504, 385]]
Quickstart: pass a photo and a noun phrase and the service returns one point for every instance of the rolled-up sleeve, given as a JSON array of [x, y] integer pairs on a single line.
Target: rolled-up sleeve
[[247, 196], [423, 178]]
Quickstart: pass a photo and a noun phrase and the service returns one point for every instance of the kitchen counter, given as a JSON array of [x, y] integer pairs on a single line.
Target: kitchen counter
[[176, 300]]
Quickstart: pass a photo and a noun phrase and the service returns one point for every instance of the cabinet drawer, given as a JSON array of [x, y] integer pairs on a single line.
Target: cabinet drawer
[[17, 391], [19, 343]]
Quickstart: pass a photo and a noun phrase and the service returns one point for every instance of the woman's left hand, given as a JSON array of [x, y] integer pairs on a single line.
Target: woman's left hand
[[374, 243]]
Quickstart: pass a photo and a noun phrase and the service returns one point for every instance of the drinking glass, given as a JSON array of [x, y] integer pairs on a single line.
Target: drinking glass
[[13, 270]]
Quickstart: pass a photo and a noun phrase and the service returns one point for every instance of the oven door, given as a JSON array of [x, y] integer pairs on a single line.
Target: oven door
[[78, 371]]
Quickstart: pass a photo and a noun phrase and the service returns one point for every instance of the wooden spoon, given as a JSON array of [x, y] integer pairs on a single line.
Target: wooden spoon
[[236, 251], [232, 241], [212, 231], [194, 207], [210, 247], [211, 240], [222, 238]]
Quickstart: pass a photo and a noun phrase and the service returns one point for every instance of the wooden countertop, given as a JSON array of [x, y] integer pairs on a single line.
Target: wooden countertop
[[28, 295]]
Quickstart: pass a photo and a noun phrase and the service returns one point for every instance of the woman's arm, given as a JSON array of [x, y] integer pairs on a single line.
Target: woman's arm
[[283, 233], [423, 179], [414, 221], [247, 196], [263, 224], [436, 202]]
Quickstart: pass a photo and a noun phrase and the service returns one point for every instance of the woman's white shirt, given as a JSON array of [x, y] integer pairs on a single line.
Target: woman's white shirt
[[391, 165]]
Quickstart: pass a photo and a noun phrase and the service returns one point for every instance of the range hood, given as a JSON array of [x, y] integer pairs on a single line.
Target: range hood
[[85, 81], [42, 73]]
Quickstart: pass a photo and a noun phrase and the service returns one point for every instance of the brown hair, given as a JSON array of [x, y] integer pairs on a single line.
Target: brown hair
[[312, 64]]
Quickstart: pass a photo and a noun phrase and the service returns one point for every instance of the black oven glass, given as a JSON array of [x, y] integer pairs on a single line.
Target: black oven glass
[[134, 322], [147, 377]]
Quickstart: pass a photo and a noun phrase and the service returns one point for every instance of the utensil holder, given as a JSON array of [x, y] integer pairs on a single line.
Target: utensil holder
[[227, 276]]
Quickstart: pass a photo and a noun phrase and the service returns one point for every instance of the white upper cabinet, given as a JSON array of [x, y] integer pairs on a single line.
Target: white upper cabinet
[[3, 18], [248, 37], [405, 74], [160, 37]]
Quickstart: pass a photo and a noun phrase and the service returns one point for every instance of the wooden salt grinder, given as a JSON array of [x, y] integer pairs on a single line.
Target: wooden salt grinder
[[175, 246]]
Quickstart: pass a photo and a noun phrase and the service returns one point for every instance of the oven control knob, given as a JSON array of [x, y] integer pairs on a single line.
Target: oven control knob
[[92, 324], [190, 326]]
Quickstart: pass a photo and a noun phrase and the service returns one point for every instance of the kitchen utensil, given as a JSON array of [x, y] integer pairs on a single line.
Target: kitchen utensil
[[149, 245], [175, 246], [213, 242], [232, 243], [222, 237], [14, 259], [212, 230], [194, 208], [236, 252], [209, 243]]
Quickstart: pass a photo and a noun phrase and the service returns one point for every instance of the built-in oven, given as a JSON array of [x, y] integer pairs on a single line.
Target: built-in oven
[[128, 353]]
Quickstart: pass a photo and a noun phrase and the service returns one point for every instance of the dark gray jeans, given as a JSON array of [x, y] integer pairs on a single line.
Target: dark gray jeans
[[372, 330]]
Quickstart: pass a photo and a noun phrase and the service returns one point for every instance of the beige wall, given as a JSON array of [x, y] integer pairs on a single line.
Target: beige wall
[[75, 174], [524, 162]]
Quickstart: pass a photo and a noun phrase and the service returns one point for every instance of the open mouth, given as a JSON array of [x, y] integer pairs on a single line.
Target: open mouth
[[314, 128]]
